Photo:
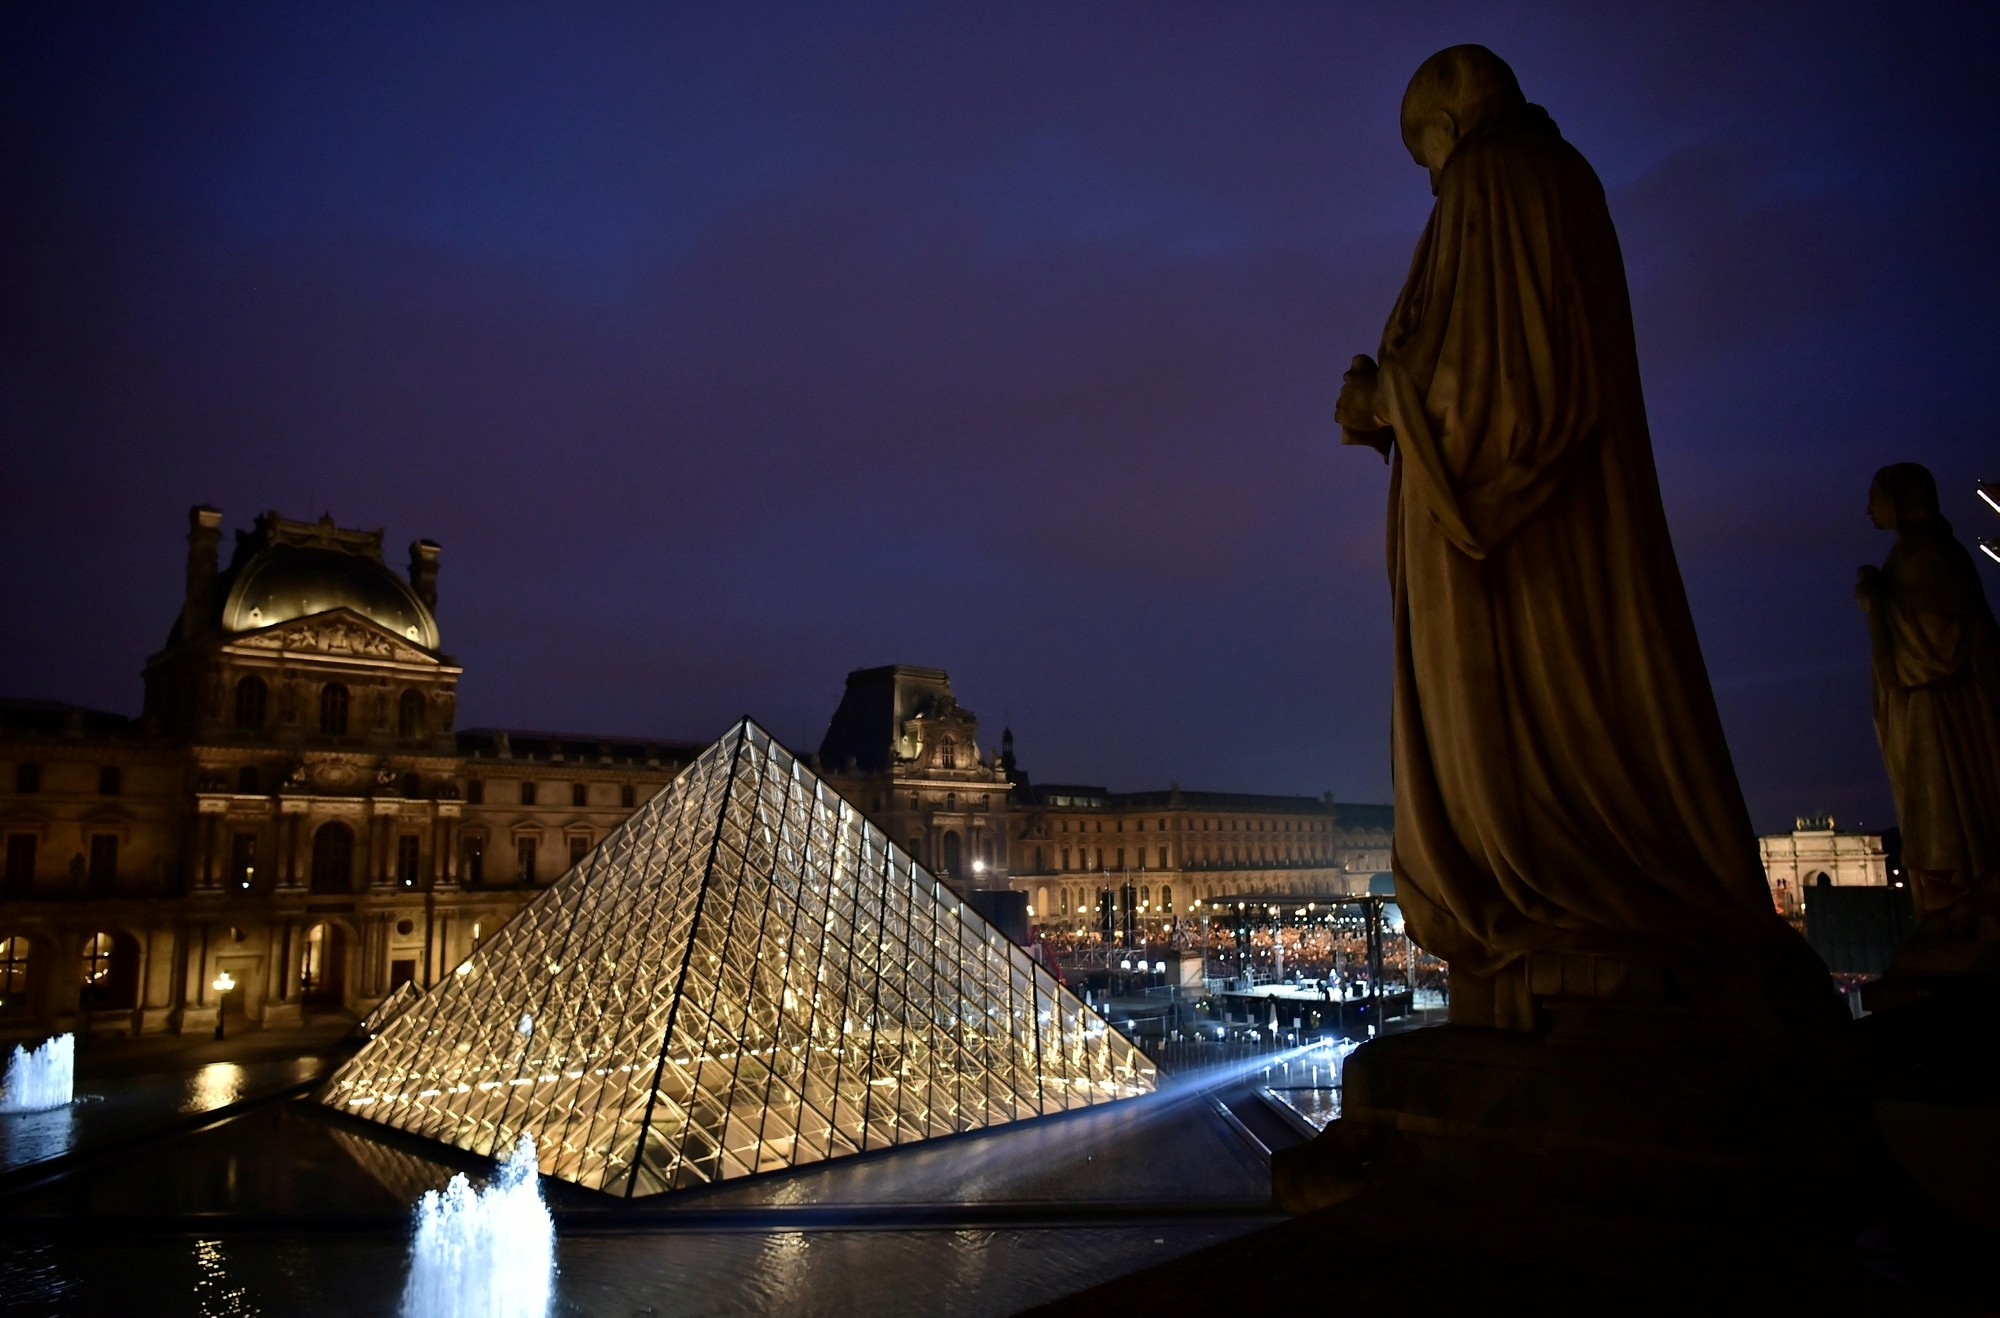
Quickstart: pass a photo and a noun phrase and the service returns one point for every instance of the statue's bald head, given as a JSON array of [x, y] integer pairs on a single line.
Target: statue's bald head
[[1453, 93]]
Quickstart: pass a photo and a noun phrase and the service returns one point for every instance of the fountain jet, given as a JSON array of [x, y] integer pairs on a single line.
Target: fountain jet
[[489, 1253], [42, 1079]]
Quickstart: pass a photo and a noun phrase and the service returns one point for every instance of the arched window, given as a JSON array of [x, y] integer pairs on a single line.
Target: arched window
[[951, 855], [14, 964], [1042, 902], [948, 754], [333, 709], [110, 972], [1167, 898], [333, 858], [250, 695], [410, 714]]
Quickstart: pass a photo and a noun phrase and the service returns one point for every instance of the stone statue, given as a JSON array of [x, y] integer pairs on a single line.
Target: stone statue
[[1568, 821], [1937, 706]]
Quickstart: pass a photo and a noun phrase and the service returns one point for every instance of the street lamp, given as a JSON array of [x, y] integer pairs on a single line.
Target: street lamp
[[223, 983]]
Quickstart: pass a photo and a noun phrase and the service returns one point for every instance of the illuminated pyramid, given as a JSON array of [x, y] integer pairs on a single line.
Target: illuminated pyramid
[[746, 976]]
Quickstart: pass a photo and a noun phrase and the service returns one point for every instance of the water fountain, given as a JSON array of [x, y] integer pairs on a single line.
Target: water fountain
[[42, 1079], [489, 1253]]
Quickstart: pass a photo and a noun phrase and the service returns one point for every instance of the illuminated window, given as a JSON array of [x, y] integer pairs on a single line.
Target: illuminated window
[[14, 965], [948, 754], [250, 696], [97, 960], [333, 710]]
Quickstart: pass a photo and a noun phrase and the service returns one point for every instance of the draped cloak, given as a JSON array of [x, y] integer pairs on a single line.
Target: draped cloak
[[1561, 778], [1937, 710]]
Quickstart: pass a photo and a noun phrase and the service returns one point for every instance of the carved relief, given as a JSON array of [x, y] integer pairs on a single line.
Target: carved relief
[[336, 636]]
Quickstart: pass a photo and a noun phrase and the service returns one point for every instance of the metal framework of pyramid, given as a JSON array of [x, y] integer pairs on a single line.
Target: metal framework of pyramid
[[745, 976]]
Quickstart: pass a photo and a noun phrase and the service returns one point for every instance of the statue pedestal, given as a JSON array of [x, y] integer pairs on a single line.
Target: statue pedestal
[[1629, 1096]]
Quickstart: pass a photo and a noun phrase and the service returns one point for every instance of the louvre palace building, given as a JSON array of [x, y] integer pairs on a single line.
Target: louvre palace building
[[296, 816]]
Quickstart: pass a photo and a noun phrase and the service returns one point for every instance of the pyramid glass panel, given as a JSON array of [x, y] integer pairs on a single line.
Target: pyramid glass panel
[[745, 976]]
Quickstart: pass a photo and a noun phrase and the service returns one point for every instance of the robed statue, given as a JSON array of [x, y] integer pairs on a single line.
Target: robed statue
[[1568, 822], [1937, 706]]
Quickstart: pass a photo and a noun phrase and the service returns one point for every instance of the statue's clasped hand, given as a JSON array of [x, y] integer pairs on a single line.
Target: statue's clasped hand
[[1358, 410]]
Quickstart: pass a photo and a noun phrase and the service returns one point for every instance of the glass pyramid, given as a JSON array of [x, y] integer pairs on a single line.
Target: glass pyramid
[[745, 976]]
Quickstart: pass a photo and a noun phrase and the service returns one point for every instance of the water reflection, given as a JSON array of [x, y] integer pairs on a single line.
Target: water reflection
[[216, 1085], [216, 1293]]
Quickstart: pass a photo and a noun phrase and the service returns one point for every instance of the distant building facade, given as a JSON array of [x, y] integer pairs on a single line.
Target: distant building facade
[[1817, 854], [295, 807]]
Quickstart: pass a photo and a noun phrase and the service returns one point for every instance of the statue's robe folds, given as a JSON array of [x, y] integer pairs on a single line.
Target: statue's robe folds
[[1937, 712], [1561, 780]]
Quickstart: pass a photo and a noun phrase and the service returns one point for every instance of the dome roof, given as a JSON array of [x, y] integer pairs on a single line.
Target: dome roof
[[286, 581]]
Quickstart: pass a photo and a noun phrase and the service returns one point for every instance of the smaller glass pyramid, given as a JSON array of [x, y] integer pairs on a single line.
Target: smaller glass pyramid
[[745, 976]]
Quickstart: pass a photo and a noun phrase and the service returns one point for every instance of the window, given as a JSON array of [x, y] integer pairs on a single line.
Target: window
[[20, 863], [410, 714], [242, 861], [406, 860], [475, 791], [110, 780], [333, 710], [28, 777], [951, 856], [103, 860], [472, 859], [527, 793], [1167, 898], [948, 754], [579, 794], [96, 964], [13, 973], [250, 697], [1038, 860], [579, 847], [1121, 858], [246, 780], [333, 858], [1163, 858], [951, 801], [626, 795], [524, 859]]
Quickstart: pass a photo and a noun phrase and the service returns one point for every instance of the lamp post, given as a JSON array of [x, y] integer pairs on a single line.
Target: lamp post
[[223, 983]]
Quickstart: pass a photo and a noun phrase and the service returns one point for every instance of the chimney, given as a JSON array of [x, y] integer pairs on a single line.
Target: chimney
[[204, 534], [424, 571]]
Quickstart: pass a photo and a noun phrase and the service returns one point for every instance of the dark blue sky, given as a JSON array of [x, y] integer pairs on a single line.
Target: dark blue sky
[[726, 348]]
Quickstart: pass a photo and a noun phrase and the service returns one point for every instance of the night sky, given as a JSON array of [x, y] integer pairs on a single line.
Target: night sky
[[727, 348]]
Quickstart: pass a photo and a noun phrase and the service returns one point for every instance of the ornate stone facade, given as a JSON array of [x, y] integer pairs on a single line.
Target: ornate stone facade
[[296, 807]]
